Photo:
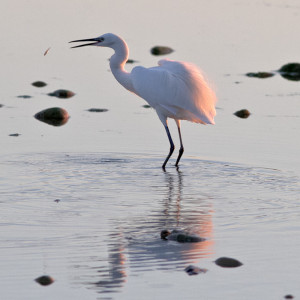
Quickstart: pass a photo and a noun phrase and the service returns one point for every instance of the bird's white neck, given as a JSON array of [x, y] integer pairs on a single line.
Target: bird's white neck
[[117, 63]]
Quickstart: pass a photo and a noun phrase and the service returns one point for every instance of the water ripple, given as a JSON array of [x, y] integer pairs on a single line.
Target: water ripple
[[100, 215]]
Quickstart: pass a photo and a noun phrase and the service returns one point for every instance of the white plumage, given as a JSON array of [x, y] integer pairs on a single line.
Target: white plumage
[[176, 90]]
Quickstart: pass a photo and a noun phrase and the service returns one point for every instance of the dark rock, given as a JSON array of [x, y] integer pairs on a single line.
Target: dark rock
[[55, 116], [180, 236], [164, 234], [24, 96], [44, 280], [227, 262], [62, 94], [290, 71], [161, 50], [260, 74], [243, 113], [39, 84], [131, 61], [289, 297], [193, 270], [97, 110], [15, 134]]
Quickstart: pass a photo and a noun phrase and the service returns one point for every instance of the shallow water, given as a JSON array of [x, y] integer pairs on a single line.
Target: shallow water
[[85, 202], [93, 222]]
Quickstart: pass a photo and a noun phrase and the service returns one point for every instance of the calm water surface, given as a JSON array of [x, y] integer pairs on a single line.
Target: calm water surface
[[93, 222], [85, 202]]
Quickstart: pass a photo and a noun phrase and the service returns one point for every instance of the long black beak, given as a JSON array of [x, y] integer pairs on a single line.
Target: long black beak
[[95, 41]]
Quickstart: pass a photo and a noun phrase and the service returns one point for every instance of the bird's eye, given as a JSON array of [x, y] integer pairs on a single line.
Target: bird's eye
[[101, 39]]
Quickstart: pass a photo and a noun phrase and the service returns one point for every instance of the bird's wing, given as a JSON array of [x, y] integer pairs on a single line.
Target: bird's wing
[[177, 90]]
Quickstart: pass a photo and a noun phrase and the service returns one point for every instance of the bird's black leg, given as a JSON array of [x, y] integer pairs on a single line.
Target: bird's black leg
[[181, 147], [172, 147]]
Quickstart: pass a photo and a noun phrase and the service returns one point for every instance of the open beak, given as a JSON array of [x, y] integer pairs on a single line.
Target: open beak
[[95, 41]]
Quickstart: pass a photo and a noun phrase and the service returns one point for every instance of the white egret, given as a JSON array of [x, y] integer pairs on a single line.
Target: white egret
[[176, 90]]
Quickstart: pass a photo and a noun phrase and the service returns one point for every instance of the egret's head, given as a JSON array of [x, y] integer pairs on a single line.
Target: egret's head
[[105, 40]]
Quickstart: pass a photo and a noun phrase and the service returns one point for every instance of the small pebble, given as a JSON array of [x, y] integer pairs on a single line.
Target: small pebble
[[290, 71], [227, 262], [180, 236], [243, 113], [62, 94], [161, 50], [97, 110], [260, 74], [44, 280], [193, 270], [131, 61], [39, 84], [24, 96]]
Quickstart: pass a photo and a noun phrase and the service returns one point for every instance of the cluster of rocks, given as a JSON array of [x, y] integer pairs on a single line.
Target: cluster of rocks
[[55, 116]]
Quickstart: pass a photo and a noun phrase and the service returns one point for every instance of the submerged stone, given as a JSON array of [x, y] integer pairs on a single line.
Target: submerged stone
[[131, 61], [243, 113], [24, 96], [44, 280], [161, 50], [180, 236], [62, 94], [260, 74], [227, 262], [39, 84], [97, 110], [193, 270], [55, 116], [290, 71]]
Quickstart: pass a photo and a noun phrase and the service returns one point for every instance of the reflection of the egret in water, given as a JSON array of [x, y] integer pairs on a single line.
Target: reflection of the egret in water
[[136, 244]]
